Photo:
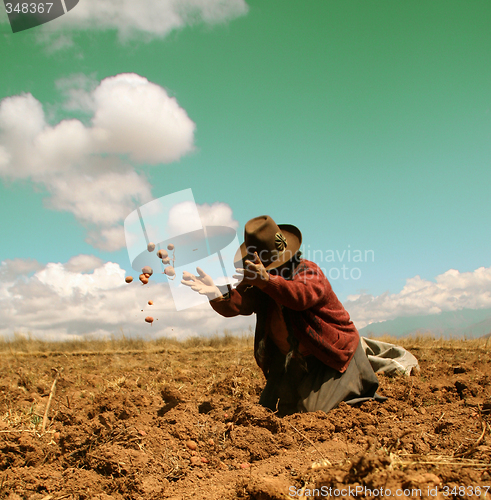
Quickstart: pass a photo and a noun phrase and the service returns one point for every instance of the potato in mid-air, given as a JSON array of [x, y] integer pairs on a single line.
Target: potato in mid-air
[[147, 270], [169, 270]]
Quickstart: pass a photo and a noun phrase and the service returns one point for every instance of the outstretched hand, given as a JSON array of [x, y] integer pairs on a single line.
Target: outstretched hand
[[203, 284], [254, 273]]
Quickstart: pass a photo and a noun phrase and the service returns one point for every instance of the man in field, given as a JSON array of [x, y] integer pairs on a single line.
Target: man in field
[[305, 343]]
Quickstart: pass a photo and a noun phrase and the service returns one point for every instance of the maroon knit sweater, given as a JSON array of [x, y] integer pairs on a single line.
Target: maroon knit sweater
[[319, 320]]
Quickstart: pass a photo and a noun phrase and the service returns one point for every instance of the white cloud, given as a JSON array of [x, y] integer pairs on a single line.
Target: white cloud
[[189, 216], [149, 19], [61, 301], [77, 90], [108, 239], [149, 127], [103, 199], [87, 169], [83, 263], [21, 117], [451, 291], [4, 158], [85, 297], [55, 42], [66, 283], [11, 269], [64, 146], [183, 218], [217, 214]]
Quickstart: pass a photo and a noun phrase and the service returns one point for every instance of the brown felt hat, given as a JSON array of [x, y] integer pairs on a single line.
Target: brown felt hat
[[275, 244]]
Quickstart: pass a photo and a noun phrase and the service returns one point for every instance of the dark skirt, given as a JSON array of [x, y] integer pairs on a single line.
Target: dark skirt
[[312, 385]]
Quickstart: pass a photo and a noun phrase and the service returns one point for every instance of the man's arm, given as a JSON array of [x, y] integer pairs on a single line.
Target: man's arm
[[240, 301], [308, 288]]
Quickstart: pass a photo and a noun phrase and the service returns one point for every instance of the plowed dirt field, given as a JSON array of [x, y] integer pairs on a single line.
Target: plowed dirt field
[[183, 423]]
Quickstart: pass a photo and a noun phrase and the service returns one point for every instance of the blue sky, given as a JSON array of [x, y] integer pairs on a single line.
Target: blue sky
[[365, 124]]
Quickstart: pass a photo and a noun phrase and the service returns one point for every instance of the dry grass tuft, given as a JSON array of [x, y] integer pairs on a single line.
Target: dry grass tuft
[[29, 345], [406, 460], [420, 341]]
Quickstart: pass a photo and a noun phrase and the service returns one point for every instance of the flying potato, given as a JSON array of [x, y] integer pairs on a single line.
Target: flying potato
[[128, 279], [147, 270], [169, 270], [151, 247]]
